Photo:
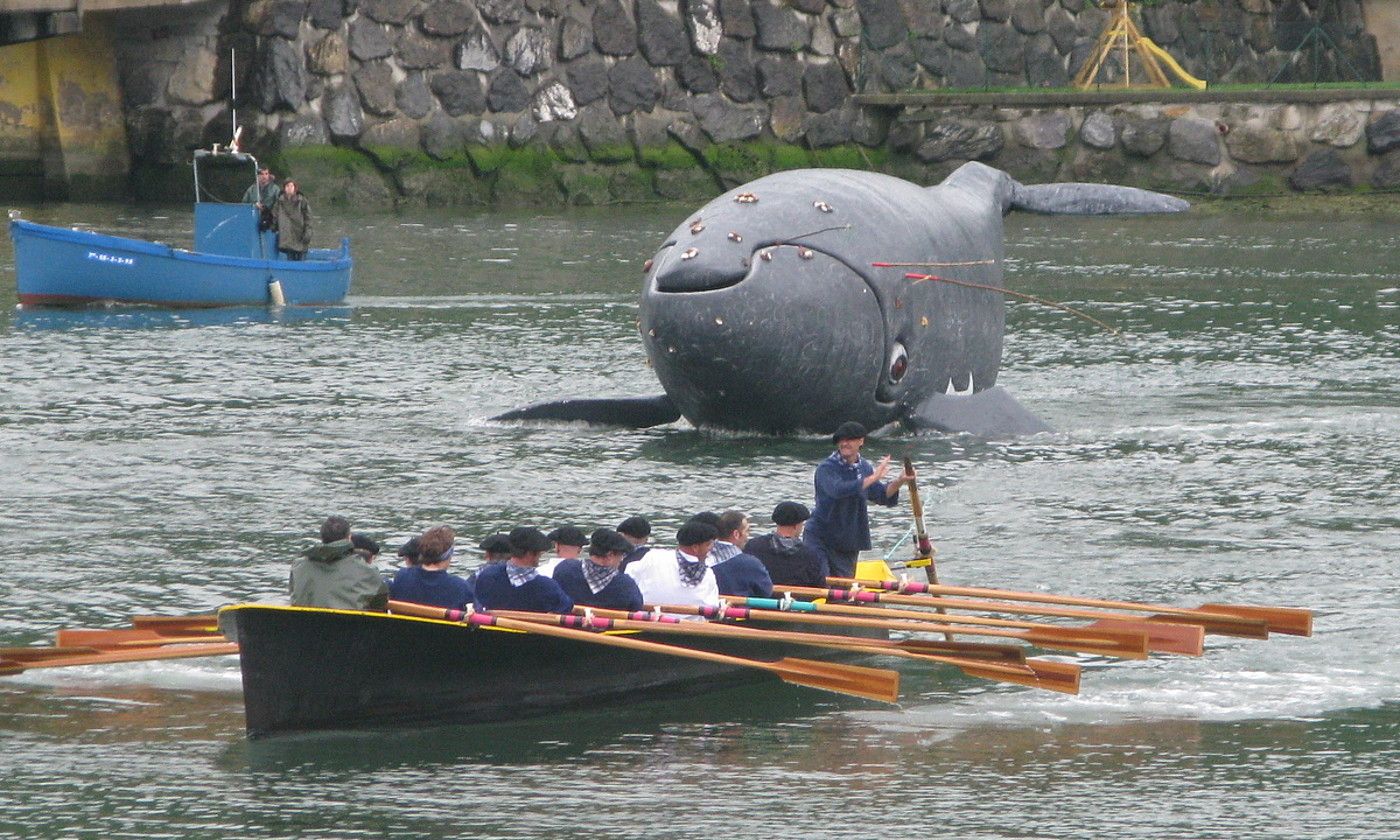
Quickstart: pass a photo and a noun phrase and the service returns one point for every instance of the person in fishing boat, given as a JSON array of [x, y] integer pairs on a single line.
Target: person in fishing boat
[[292, 215], [679, 575], [568, 543], [597, 580], [264, 194], [428, 581], [740, 573], [839, 527], [334, 575], [637, 531], [789, 562], [517, 583]]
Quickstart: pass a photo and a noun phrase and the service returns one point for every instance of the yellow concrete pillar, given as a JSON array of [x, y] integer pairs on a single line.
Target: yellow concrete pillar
[[62, 132]]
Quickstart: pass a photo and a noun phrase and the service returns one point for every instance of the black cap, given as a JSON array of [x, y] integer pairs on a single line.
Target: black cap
[[694, 533], [364, 544], [568, 535], [526, 539], [495, 544], [790, 513], [409, 549], [849, 430], [606, 541], [709, 517], [635, 526]]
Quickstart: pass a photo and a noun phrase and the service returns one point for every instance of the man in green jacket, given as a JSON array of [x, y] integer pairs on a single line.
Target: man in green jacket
[[335, 576]]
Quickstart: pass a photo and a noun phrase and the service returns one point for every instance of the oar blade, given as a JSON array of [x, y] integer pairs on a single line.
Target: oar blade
[[871, 683], [111, 657], [1288, 620], [36, 654], [1184, 639], [181, 625], [1118, 643], [1218, 624], [969, 650], [1060, 677]]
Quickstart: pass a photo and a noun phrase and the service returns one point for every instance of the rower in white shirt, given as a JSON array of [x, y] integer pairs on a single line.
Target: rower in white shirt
[[679, 575], [568, 545]]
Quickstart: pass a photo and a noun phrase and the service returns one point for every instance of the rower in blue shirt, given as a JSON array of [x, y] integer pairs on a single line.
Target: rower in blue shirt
[[427, 581], [597, 580], [517, 583], [839, 527], [738, 573]]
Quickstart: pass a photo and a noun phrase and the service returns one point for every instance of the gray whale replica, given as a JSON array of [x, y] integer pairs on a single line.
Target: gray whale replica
[[766, 310]]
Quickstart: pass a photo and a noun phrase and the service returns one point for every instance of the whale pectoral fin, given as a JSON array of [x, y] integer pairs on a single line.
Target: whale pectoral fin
[[630, 412], [989, 413], [1092, 200]]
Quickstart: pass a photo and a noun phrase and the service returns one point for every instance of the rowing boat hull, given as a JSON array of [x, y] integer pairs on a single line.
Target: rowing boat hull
[[311, 669], [57, 266]]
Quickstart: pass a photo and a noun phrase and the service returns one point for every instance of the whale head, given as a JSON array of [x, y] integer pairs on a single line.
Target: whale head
[[763, 310]]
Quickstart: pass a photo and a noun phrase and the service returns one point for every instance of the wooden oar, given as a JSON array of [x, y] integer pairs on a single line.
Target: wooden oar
[[108, 657], [1024, 673], [871, 683], [1122, 642], [1218, 623], [178, 624], [1289, 620], [70, 637], [34, 654], [925, 546]]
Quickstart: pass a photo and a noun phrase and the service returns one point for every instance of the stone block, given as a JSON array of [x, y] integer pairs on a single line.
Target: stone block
[[326, 14], [368, 40], [959, 140], [736, 18], [528, 51], [884, 22], [459, 91], [399, 133], [779, 76], [1028, 16], [698, 75], [1255, 142], [997, 10], [374, 81], [1323, 169], [1383, 132], [724, 122], [1044, 130], [575, 37], [1387, 173], [1002, 48], [614, 33], [738, 77], [661, 35], [477, 52], [344, 117], [396, 12], [825, 86], [588, 80], [306, 129], [785, 117], [443, 136], [780, 29], [501, 11], [553, 101], [328, 56], [413, 98], [833, 128], [1098, 131], [281, 77], [702, 20], [1338, 125], [416, 51], [632, 86], [1195, 140], [506, 92], [447, 18], [1144, 136], [193, 82]]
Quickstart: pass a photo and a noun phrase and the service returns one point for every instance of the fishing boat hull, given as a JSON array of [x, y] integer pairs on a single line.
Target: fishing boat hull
[[57, 266], [310, 669]]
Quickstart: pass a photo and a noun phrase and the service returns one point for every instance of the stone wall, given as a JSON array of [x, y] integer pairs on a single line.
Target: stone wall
[[588, 101]]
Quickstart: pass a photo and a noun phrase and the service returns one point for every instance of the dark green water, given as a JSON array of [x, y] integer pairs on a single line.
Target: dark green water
[[1243, 444]]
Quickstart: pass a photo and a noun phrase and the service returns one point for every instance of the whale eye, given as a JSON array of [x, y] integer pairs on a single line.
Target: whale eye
[[899, 362]]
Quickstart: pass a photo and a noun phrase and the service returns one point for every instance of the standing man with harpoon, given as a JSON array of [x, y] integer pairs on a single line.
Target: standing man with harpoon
[[839, 528]]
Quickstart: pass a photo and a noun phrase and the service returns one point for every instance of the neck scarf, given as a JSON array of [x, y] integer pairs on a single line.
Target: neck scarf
[[598, 577], [786, 545], [692, 571], [723, 551], [521, 575]]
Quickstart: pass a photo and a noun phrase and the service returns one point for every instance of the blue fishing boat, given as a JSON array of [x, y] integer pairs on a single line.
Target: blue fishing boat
[[232, 262]]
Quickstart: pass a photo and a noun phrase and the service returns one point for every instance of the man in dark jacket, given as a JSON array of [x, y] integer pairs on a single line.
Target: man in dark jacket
[[292, 215], [335, 576], [845, 483], [788, 560], [517, 584]]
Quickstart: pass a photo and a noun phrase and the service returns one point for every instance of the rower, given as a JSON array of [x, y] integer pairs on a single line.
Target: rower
[[568, 545], [740, 573], [597, 580], [334, 575], [637, 531], [428, 581], [517, 584], [680, 575], [789, 561]]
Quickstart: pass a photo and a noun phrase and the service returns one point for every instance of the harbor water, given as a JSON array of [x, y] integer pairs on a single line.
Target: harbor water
[[1239, 443]]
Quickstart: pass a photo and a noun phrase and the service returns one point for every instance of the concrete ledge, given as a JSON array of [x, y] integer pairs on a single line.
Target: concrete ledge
[[1121, 96]]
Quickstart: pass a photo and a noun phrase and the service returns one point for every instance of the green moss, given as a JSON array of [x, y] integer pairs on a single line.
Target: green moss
[[526, 180], [583, 185], [789, 156], [629, 185], [848, 156], [611, 153], [670, 156], [488, 159], [322, 158]]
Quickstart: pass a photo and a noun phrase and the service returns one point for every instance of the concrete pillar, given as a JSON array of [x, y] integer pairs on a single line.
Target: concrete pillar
[[62, 130]]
